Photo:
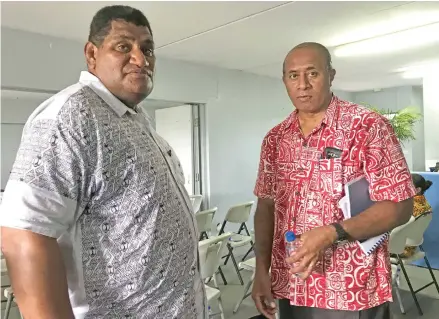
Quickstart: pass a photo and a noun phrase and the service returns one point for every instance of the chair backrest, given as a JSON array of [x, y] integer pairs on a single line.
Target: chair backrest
[[239, 213], [196, 202], [211, 250], [204, 219], [409, 234], [416, 235]]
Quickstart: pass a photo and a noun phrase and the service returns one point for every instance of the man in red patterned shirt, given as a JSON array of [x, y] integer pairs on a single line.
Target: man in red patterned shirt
[[298, 189]]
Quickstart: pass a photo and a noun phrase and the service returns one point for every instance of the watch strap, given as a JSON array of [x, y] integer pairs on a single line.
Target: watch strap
[[342, 235]]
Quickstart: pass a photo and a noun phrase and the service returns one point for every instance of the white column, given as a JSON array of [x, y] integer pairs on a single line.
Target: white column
[[431, 116]]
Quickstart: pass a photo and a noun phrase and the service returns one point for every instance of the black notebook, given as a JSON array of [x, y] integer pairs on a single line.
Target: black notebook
[[357, 200]]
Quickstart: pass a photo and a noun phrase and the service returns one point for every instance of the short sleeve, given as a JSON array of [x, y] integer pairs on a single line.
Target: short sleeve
[[384, 163], [49, 181], [265, 182]]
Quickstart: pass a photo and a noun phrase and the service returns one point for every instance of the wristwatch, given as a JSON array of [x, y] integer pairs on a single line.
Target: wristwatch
[[342, 235]]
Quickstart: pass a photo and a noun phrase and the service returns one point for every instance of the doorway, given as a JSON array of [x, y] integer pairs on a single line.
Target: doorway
[[180, 127]]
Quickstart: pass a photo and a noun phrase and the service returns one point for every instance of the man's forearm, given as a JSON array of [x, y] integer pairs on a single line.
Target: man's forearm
[[37, 274], [264, 230], [378, 219]]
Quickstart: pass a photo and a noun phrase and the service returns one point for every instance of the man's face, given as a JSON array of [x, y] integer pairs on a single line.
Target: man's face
[[124, 62], [308, 79]]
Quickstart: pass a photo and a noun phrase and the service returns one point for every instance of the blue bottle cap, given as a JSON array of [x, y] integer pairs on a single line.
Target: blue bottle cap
[[290, 236]]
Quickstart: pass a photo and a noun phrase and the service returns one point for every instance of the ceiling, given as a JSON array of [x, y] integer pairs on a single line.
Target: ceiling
[[254, 36]]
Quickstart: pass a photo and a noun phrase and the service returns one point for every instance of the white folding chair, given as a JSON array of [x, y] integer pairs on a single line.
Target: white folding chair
[[210, 251], [204, 225], [204, 222], [196, 201], [238, 214], [249, 265], [411, 234]]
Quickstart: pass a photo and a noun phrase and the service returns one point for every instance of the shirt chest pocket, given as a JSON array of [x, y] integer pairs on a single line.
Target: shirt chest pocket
[[330, 177], [333, 174]]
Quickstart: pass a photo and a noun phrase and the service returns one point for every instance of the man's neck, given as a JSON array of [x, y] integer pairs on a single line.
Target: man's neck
[[310, 120]]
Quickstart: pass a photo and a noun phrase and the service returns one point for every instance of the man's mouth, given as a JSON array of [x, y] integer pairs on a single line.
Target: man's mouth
[[142, 74], [304, 97]]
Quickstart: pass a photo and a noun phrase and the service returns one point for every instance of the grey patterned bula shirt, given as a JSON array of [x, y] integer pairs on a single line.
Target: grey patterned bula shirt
[[93, 174]]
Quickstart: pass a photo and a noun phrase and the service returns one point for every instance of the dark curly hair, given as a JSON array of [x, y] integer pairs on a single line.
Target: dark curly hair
[[421, 182]]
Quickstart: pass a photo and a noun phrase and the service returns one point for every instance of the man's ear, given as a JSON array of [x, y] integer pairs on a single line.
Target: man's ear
[[90, 52], [332, 73]]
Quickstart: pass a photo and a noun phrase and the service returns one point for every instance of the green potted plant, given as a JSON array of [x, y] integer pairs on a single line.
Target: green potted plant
[[403, 121]]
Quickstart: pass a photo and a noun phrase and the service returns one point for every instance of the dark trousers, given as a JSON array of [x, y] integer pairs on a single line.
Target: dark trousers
[[286, 311]]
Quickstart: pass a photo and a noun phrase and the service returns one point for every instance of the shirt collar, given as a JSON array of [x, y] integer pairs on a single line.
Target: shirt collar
[[330, 118], [99, 88]]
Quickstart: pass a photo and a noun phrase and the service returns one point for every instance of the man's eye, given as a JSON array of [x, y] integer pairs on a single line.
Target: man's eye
[[148, 52], [123, 48], [293, 76], [313, 74]]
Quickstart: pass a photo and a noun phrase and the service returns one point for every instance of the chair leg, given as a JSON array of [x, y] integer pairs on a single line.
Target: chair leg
[[236, 267], [222, 276], [248, 252], [410, 287], [230, 253], [398, 294], [430, 270], [8, 306], [220, 304], [246, 289], [395, 285]]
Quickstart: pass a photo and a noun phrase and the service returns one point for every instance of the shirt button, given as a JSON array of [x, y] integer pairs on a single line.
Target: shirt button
[[297, 193]]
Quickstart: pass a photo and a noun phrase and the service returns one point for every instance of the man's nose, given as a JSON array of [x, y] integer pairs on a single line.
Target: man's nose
[[138, 58], [303, 82]]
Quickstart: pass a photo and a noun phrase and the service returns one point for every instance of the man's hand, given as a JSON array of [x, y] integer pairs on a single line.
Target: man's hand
[[312, 244], [262, 296]]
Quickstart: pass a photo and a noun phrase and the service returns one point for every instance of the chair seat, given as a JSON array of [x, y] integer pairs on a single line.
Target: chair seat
[[237, 240], [249, 264], [212, 293], [417, 255]]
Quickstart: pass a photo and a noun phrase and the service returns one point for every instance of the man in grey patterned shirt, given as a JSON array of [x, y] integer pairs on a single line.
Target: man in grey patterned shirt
[[96, 222]]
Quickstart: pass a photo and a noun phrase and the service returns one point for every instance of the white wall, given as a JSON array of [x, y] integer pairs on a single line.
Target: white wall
[[174, 124]]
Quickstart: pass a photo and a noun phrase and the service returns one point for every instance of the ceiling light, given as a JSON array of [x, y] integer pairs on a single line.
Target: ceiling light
[[418, 71], [413, 75], [391, 42], [390, 23]]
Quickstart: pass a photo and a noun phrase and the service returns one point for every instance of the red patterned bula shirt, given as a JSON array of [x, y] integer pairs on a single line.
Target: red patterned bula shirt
[[306, 190]]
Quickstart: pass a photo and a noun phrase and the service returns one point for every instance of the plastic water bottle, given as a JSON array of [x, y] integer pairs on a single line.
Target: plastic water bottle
[[291, 243]]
